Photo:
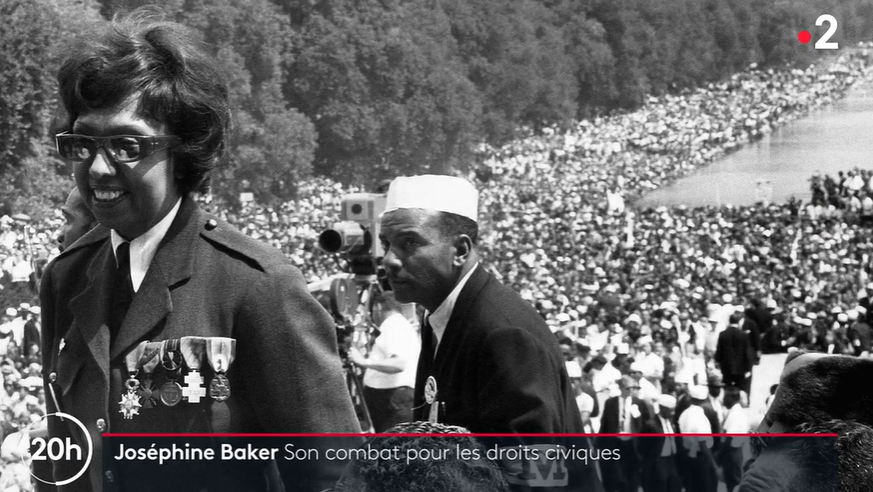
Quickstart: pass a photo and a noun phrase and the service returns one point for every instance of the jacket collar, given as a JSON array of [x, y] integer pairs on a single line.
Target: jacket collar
[[173, 263]]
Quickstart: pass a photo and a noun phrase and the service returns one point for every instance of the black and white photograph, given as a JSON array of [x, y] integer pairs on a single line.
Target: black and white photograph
[[508, 245]]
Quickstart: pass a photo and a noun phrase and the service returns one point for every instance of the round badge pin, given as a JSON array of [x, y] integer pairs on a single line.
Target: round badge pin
[[430, 390]]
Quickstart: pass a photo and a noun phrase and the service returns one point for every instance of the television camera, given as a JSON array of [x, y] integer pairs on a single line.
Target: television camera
[[349, 296]]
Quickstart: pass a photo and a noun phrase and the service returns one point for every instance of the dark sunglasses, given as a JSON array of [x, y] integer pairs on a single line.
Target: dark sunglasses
[[121, 148]]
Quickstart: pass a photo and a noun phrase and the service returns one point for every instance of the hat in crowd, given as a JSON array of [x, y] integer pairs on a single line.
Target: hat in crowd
[[771, 304], [665, 324], [434, 192], [562, 317], [623, 349], [842, 317], [727, 298], [666, 401], [634, 317], [852, 314], [585, 403], [636, 367], [11, 311], [684, 377], [574, 371], [861, 309], [31, 400], [24, 306], [698, 392], [5, 329], [35, 310], [714, 379]]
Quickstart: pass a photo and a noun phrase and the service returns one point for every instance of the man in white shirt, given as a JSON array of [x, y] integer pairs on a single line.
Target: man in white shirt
[[700, 469], [390, 366]]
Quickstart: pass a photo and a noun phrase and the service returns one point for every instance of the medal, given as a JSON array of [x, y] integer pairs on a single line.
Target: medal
[[171, 359], [219, 388], [430, 394], [147, 393], [129, 404], [192, 351], [220, 352], [430, 390], [171, 393]]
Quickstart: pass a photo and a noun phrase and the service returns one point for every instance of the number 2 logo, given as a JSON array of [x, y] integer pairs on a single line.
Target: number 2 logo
[[823, 43]]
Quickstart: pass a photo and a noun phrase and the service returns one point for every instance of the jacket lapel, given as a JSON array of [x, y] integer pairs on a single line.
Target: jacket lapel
[[90, 310], [172, 264]]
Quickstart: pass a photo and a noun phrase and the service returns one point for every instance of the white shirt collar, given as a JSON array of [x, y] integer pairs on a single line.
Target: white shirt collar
[[144, 247], [439, 319]]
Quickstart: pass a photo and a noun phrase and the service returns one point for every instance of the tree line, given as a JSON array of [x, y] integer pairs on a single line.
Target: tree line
[[363, 90]]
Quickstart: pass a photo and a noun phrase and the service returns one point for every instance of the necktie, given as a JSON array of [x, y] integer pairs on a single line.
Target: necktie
[[122, 293]]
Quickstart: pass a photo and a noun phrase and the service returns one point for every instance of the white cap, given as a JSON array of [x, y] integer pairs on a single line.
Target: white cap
[[842, 317], [699, 392], [665, 400], [35, 310], [11, 312], [574, 371], [622, 348], [635, 318], [684, 377], [771, 304], [434, 192], [636, 366], [585, 403], [852, 314]]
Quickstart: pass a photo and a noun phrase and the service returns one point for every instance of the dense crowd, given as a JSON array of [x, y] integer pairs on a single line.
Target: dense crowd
[[608, 278]]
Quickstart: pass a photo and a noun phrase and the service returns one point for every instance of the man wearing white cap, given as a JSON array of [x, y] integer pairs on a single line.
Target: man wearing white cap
[[488, 361], [700, 469]]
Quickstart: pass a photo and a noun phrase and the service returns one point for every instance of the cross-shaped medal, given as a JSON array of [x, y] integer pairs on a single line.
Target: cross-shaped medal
[[193, 389]]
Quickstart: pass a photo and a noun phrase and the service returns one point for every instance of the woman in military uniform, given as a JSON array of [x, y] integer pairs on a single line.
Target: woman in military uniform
[[164, 318]]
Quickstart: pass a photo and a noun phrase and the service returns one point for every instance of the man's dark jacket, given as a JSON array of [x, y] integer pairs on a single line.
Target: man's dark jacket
[[498, 368]]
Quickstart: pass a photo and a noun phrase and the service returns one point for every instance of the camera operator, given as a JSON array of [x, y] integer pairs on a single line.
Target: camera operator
[[390, 365]]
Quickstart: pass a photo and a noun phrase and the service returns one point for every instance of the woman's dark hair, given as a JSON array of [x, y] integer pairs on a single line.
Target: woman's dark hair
[[168, 69]]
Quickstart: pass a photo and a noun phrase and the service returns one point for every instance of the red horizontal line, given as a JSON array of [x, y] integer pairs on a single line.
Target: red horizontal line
[[316, 434]]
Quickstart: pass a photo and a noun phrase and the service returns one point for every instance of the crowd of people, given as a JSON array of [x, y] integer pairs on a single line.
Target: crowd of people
[[613, 282]]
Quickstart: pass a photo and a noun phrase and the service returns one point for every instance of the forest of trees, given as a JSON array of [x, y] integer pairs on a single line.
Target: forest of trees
[[365, 90]]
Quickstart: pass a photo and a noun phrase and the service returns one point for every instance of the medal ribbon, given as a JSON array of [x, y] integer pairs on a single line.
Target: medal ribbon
[[132, 359], [170, 363], [192, 350], [151, 356], [220, 351]]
